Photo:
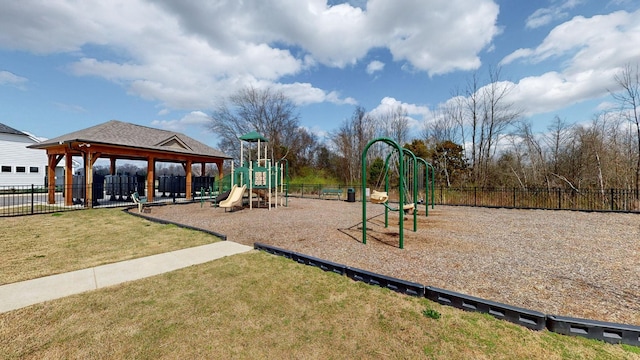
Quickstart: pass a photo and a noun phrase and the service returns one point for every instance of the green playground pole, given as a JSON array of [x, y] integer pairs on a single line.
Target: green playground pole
[[427, 185], [397, 148], [386, 188], [433, 186], [415, 186]]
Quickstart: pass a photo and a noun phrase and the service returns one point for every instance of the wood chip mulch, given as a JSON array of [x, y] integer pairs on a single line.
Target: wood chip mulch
[[567, 263]]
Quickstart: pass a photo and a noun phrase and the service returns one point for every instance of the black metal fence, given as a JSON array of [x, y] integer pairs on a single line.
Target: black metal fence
[[31, 199], [108, 191], [25, 200], [316, 190], [622, 200]]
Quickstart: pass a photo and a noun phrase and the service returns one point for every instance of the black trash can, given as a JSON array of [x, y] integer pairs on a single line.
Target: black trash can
[[351, 195]]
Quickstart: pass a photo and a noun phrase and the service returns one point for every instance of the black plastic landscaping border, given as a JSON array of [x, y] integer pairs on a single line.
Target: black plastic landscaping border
[[166, 222], [609, 332]]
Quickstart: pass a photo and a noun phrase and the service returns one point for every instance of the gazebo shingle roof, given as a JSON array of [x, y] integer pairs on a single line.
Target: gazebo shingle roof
[[120, 133]]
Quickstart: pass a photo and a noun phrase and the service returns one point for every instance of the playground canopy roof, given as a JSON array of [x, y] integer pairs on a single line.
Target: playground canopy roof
[[253, 136]]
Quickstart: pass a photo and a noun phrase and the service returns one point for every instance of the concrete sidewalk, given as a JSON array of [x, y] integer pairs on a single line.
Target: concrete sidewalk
[[25, 293]]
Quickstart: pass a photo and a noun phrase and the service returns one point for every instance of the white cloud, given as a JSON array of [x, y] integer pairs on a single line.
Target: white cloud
[[375, 66], [439, 38], [186, 55], [194, 118], [599, 39], [553, 90], [545, 16], [607, 106], [305, 93], [518, 54], [8, 78], [388, 105], [321, 134], [334, 97], [593, 50], [72, 108]]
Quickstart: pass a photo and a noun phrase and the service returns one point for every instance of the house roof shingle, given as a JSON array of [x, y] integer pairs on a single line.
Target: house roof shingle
[[9, 130], [120, 133]]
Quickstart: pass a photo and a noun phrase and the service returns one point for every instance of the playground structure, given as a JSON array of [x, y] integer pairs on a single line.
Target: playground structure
[[263, 177], [407, 165]]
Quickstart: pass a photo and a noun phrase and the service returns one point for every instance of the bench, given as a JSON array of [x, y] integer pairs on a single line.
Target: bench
[[141, 202], [336, 192]]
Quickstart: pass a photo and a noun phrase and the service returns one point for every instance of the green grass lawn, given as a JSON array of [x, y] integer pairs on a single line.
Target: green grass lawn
[[46, 244], [259, 306]]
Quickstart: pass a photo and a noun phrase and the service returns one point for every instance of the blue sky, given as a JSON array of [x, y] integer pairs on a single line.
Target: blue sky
[[68, 65]]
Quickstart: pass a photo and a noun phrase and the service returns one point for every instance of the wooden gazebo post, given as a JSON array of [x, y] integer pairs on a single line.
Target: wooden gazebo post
[[151, 178], [188, 173], [53, 160], [68, 179], [112, 165], [219, 164]]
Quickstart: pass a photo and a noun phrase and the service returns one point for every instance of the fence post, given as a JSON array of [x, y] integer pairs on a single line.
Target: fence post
[[32, 195], [612, 202], [475, 196], [514, 197], [559, 199]]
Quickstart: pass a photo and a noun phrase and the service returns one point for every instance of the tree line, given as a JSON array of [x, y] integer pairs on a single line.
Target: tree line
[[478, 138]]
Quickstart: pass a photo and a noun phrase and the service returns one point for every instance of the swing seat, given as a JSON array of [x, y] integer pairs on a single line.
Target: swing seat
[[408, 207], [379, 197]]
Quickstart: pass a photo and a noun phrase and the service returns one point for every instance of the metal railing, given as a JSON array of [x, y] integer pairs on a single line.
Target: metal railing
[[620, 200], [20, 200], [315, 190], [32, 199]]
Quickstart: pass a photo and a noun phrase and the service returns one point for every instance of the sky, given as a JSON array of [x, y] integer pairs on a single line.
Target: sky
[[68, 65]]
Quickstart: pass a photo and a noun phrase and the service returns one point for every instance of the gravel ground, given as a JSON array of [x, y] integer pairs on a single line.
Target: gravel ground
[[566, 263]]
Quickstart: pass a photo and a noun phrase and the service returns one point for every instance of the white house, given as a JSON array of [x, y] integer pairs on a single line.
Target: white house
[[20, 166]]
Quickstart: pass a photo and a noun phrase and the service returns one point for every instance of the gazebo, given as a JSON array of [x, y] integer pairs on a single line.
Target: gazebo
[[115, 140]]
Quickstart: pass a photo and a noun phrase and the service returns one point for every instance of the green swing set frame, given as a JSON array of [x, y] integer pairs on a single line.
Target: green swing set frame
[[383, 197]]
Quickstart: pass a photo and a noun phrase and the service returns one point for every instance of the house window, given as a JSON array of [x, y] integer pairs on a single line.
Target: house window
[[6, 168], [34, 169], [21, 169]]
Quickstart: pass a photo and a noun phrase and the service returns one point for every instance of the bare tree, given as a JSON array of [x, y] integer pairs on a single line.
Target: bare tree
[[393, 124], [472, 108], [488, 115], [629, 100], [445, 125], [535, 155], [349, 142], [497, 116], [556, 139], [400, 125], [267, 111]]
